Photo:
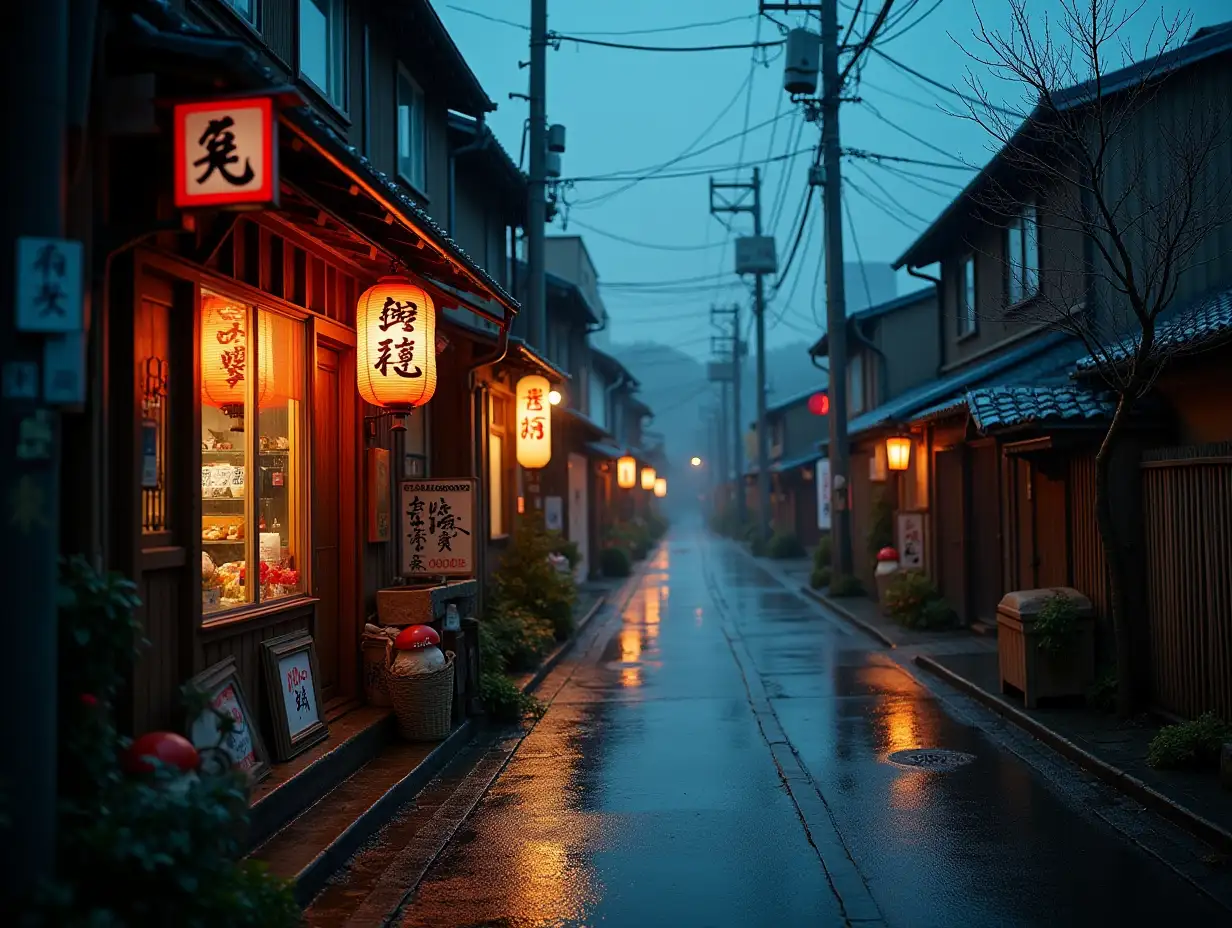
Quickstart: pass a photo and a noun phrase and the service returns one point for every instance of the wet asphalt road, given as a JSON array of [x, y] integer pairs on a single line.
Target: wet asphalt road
[[657, 790]]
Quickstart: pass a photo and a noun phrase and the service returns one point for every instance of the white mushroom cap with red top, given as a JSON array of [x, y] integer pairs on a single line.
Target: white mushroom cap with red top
[[415, 637], [887, 554]]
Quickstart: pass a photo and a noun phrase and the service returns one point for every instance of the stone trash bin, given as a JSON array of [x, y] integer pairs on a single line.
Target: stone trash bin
[[1035, 672]]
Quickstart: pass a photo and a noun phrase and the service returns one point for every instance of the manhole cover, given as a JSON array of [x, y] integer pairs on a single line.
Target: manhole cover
[[930, 759]]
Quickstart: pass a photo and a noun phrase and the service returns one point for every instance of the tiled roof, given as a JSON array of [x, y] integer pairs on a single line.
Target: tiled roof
[[1193, 329], [1000, 407]]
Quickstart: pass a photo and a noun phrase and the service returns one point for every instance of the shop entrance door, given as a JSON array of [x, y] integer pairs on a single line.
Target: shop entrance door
[[333, 469]]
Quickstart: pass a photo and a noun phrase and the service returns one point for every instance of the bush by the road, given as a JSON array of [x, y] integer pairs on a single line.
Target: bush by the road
[[820, 577], [527, 582], [1189, 745], [846, 585], [504, 699], [615, 562], [914, 601], [785, 545]]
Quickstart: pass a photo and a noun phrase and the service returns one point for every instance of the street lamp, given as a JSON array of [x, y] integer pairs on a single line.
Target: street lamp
[[695, 461], [554, 397]]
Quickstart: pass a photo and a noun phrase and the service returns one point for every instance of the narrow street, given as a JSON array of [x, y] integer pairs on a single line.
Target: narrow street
[[660, 789]]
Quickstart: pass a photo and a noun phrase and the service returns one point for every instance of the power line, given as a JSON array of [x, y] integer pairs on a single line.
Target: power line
[[509, 22], [889, 196], [692, 172], [556, 36], [881, 206], [916, 178], [651, 245], [923, 16], [877, 156], [911, 135], [958, 93], [855, 240]]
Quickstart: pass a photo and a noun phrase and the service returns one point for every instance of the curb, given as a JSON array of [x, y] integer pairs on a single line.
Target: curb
[[1206, 830], [850, 616]]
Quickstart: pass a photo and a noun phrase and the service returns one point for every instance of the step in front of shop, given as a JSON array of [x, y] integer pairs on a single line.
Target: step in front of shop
[[316, 843]]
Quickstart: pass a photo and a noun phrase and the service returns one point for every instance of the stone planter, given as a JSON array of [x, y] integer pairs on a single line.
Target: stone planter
[[1028, 668]]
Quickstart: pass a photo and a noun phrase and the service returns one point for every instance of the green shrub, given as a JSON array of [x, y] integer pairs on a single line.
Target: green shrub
[[633, 536], [846, 585], [913, 601], [785, 545], [527, 582], [823, 554], [139, 850], [504, 700], [881, 522], [1056, 624], [1189, 745], [615, 562], [516, 638], [820, 577], [1102, 694]]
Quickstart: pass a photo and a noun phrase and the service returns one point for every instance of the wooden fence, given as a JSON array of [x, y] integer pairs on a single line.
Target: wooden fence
[[1187, 509]]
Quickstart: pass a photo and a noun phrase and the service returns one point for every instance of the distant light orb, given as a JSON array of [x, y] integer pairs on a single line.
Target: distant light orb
[[695, 461], [554, 397]]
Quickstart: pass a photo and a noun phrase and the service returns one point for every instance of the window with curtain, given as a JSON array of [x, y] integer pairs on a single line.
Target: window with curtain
[[412, 132], [1022, 256], [966, 297], [253, 454], [322, 47]]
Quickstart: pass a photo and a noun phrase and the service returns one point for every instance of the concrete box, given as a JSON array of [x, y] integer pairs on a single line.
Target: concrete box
[[1036, 673]]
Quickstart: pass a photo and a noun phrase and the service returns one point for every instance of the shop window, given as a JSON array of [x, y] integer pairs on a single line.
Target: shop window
[[253, 454], [412, 135], [322, 47]]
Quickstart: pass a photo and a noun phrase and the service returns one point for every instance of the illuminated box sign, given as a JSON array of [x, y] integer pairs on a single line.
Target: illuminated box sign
[[226, 153]]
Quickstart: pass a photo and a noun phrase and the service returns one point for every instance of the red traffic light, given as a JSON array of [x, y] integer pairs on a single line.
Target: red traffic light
[[819, 404]]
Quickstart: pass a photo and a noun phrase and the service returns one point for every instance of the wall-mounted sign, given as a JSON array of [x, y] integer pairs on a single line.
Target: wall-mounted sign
[[437, 522], [226, 153], [823, 494], [911, 540], [553, 513], [48, 297], [379, 514], [64, 369]]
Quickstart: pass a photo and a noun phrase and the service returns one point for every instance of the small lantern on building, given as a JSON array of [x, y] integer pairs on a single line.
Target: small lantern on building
[[534, 422], [819, 404], [395, 356], [898, 452], [660, 487], [648, 478], [554, 397], [626, 472], [224, 356]]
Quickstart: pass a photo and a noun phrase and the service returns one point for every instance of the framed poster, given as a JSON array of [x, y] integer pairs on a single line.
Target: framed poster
[[436, 519], [241, 749], [911, 540], [295, 702], [553, 513], [379, 504]]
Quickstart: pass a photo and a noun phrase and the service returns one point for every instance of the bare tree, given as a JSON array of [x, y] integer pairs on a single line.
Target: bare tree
[[1105, 162]]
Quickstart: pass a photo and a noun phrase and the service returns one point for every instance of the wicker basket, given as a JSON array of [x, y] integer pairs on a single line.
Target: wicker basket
[[423, 702]]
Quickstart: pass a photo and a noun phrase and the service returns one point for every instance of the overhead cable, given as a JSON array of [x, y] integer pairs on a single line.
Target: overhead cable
[[580, 40], [976, 101]]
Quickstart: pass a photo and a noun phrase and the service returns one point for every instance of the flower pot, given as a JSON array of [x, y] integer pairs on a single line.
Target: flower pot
[[1029, 668]]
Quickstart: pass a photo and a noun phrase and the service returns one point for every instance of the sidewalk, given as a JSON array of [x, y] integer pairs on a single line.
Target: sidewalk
[[1111, 749]]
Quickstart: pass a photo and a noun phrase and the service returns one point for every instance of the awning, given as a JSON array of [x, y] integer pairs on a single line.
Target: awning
[[529, 356], [802, 460], [587, 424], [604, 450]]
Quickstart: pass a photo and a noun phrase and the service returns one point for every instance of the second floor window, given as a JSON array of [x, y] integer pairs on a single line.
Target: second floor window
[[1022, 256], [411, 132], [966, 297], [247, 9], [322, 47], [855, 384]]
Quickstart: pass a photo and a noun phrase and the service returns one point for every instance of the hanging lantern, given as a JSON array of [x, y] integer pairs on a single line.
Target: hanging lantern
[[660, 487], [395, 356], [626, 472], [648, 478], [898, 453], [534, 422], [819, 404], [224, 356]]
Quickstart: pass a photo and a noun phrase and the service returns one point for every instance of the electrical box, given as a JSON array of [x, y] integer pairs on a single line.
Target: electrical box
[[755, 255], [719, 371], [817, 175], [552, 165], [802, 62], [556, 138]]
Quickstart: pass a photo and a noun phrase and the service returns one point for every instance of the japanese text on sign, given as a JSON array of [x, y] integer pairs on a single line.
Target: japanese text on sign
[[298, 692], [397, 356], [437, 518], [224, 153], [49, 294]]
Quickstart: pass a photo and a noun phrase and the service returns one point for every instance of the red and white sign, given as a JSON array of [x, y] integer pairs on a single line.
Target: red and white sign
[[437, 524], [298, 691], [225, 153]]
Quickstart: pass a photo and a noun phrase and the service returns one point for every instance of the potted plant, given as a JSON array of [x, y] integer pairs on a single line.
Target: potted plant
[[1046, 643]]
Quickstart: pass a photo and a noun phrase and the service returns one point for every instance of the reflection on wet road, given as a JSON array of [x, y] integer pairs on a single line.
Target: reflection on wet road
[[650, 794]]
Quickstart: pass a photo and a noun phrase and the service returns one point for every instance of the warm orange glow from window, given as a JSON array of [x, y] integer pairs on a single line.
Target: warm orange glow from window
[[395, 354], [225, 347], [648, 478], [626, 472], [660, 487], [898, 453]]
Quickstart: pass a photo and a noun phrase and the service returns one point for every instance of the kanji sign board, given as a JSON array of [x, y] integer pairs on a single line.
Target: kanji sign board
[[49, 293], [226, 153], [437, 522]]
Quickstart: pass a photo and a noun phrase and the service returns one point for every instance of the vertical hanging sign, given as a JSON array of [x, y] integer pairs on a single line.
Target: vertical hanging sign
[[226, 153]]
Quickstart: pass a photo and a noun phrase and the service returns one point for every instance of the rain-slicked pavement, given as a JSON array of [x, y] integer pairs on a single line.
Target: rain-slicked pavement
[[660, 788]]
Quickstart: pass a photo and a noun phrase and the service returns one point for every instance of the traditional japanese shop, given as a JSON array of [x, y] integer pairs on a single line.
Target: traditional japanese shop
[[277, 309]]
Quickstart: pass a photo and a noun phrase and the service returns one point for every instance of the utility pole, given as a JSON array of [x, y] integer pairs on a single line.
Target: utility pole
[[754, 255], [836, 298], [35, 86], [728, 348], [536, 210], [832, 204]]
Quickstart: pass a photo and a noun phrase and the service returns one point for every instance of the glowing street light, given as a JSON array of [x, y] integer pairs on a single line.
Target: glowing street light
[[695, 461], [554, 397]]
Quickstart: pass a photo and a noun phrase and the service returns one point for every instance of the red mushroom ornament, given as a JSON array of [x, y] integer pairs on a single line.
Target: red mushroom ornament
[[887, 554], [418, 648], [165, 746]]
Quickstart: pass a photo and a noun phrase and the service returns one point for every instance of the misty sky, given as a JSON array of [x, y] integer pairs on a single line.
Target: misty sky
[[627, 111]]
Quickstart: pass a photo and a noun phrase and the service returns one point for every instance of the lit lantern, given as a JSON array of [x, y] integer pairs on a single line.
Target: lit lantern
[[648, 478], [534, 422], [898, 453], [395, 357], [224, 356], [660, 487], [819, 404], [626, 472], [554, 397]]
